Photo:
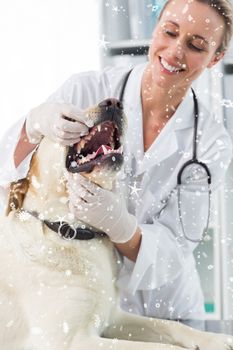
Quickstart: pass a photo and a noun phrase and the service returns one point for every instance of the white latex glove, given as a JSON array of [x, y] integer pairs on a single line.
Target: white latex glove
[[101, 209], [48, 120]]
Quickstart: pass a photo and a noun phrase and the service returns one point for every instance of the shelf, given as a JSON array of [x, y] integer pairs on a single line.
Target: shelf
[[129, 47]]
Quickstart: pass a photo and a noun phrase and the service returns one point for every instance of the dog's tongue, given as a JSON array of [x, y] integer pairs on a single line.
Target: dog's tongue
[[103, 150]]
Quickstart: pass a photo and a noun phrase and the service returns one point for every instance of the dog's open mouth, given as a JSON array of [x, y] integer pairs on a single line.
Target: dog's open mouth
[[101, 146]]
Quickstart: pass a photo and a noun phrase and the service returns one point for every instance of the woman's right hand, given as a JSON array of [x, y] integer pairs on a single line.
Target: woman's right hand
[[50, 120]]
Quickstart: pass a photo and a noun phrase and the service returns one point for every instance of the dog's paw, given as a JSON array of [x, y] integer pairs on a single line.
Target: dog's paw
[[212, 341]]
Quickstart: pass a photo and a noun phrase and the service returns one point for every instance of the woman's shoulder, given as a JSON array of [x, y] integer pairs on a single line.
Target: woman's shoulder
[[91, 87], [109, 74]]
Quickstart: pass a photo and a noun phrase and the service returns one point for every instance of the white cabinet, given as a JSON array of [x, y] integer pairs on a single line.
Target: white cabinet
[[126, 26]]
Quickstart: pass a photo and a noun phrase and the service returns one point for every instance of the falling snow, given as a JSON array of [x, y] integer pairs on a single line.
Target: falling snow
[[103, 44]]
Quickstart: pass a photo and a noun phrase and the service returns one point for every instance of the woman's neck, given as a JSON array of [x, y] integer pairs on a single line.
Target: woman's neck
[[158, 106], [159, 103]]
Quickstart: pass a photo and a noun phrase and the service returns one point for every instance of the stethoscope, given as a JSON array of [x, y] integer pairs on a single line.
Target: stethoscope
[[201, 168]]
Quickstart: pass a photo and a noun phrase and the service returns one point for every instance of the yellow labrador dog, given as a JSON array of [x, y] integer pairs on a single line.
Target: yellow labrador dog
[[57, 276]]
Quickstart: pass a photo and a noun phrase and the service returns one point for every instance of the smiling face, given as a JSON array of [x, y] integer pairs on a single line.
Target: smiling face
[[184, 43]]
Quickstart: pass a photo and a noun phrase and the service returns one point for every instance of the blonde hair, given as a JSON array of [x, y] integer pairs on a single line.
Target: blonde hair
[[224, 9]]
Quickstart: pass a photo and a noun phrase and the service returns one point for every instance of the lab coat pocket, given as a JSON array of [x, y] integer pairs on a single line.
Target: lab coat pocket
[[194, 209], [186, 213]]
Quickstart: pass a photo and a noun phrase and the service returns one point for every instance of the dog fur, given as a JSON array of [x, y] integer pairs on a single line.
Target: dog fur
[[57, 294]]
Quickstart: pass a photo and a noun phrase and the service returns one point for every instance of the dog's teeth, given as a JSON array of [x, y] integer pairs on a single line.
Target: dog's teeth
[[91, 156], [120, 149], [93, 132], [88, 157], [82, 144], [83, 160], [105, 149], [99, 128], [88, 137]]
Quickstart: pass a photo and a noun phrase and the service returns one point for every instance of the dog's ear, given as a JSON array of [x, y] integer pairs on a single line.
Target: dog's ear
[[18, 189], [17, 193]]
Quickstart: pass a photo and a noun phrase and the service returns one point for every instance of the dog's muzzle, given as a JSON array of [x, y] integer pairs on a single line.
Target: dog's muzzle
[[102, 146]]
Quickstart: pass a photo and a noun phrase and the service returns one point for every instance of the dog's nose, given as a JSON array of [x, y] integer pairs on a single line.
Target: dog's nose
[[111, 103]]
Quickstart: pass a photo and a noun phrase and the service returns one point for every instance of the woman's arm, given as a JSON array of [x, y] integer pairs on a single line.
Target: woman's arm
[[131, 248], [23, 147]]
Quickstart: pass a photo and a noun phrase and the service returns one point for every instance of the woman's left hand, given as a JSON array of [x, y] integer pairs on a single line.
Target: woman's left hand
[[101, 209]]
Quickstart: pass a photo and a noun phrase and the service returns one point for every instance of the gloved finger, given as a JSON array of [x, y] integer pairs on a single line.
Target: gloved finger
[[73, 180], [78, 207], [76, 180], [80, 192], [72, 111], [66, 135], [91, 187], [86, 195], [75, 200], [65, 142], [97, 193], [81, 204], [73, 127], [77, 194], [76, 189]]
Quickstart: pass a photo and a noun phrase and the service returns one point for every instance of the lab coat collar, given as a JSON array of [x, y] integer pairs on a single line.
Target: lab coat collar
[[133, 148], [167, 142]]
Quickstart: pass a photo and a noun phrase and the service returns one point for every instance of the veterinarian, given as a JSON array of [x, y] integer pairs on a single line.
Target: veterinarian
[[159, 221]]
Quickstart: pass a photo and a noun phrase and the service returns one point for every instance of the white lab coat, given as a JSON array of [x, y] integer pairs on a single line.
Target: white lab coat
[[163, 282]]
